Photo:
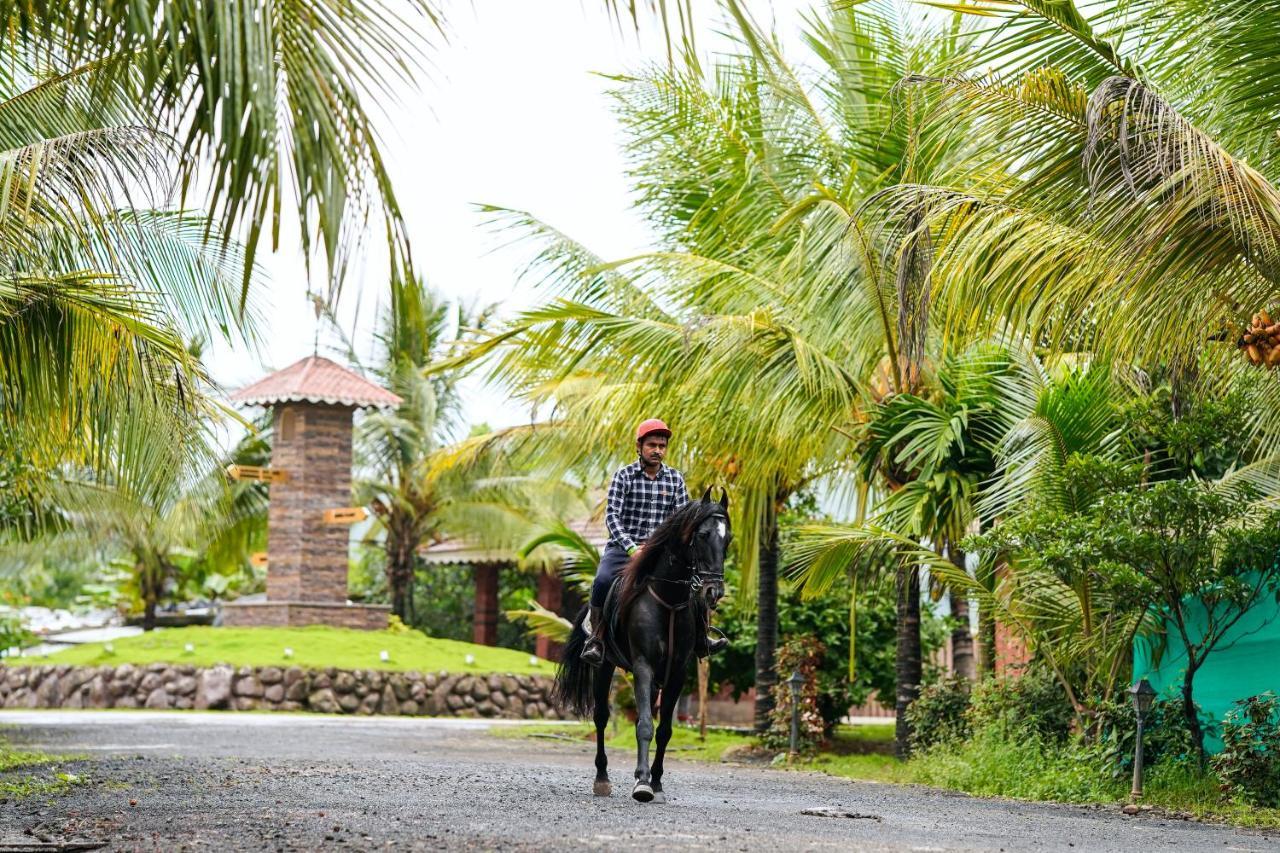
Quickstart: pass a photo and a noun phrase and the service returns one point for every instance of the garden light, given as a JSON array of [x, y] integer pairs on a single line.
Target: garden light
[[1143, 698], [471, 659], [288, 652], [795, 682], [109, 649], [383, 656], [189, 648], [533, 660]]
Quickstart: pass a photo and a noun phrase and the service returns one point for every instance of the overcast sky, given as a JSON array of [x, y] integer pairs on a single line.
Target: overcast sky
[[512, 113]]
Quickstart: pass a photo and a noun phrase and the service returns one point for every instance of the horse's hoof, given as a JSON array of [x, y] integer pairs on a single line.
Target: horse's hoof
[[642, 793], [602, 789], [659, 797]]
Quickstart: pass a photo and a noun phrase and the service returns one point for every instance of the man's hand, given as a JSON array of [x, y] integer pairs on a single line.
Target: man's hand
[[631, 552]]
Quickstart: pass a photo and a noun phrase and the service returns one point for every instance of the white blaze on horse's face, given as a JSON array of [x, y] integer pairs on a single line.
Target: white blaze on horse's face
[[721, 528]]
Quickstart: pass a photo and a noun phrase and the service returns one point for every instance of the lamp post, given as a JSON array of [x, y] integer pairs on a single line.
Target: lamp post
[[1143, 697], [795, 682]]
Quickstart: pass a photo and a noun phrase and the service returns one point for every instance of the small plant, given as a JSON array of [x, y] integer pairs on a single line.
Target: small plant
[[940, 714], [1249, 763], [395, 625], [803, 655], [13, 635], [1032, 703]]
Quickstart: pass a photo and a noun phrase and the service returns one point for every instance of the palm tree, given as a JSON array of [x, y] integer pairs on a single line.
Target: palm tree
[[763, 325], [1134, 208], [116, 116], [182, 522], [395, 448]]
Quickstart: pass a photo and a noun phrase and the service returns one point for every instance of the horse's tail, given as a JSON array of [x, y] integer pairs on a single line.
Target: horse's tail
[[573, 689]]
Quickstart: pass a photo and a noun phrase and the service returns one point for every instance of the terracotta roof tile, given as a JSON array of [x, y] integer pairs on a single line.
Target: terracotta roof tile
[[315, 380]]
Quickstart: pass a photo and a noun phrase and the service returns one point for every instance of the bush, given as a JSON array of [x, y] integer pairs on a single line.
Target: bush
[[1166, 738], [13, 635], [940, 714], [803, 655], [1033, 703], [1249, 763]]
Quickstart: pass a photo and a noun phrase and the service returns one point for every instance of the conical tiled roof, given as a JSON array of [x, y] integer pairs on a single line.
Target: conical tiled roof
[[315, 380]]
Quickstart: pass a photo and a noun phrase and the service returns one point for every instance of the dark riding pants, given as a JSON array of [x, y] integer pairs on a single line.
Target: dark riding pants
[[611, 562]]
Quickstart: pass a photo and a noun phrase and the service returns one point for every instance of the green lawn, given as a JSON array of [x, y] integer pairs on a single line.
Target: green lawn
[[313, 647]]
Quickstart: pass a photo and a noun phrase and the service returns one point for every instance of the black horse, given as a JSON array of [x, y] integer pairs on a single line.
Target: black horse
[[656, 609]]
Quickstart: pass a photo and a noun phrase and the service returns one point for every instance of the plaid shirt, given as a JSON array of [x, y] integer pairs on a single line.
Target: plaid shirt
[[636, 504]]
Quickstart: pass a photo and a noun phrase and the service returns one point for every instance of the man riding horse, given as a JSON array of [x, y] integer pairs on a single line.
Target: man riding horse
[[641, 496]]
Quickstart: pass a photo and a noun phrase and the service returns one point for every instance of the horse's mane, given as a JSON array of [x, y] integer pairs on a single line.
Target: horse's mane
[[670, 535]]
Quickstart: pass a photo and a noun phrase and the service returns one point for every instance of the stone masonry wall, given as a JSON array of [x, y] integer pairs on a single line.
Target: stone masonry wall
[[272, 688], [307, 558]]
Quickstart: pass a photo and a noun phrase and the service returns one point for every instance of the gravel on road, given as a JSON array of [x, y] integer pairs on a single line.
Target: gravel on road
[[219, 781]]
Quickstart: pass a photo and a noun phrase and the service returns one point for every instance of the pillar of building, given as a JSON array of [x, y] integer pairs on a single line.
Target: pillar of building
[[486, 613], [307, 557], [550, 596]]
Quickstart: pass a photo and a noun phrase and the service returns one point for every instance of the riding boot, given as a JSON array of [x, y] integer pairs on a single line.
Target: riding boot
[[593, 653]]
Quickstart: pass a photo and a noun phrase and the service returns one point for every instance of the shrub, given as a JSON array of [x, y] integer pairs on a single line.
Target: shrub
[[1249, 763], [940, 714], [1167, 740], [803, 655], [1031, 703], [13, 635]]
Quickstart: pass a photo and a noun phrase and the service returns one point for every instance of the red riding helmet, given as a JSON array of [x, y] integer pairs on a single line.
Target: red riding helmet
[[651, 426]]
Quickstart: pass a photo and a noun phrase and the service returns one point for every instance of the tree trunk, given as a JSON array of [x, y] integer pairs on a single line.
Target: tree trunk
[[908, 664], [987, 638], [400, 565], [767, 622], [963, 662], [149, 612], [1189, 712]]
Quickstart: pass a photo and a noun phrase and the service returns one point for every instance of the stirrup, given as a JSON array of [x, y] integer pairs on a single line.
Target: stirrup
[[710, 645], [594, 652]]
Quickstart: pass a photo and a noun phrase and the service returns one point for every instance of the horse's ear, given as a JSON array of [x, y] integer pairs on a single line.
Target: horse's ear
[[724, 499], [706, 496]]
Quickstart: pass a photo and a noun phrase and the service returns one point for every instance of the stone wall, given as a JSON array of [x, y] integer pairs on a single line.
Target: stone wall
[[307, 558], [272, 688], [259, 614]]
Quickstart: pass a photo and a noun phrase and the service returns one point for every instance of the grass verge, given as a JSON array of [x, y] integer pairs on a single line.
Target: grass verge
[[989, 767], [314, 647]]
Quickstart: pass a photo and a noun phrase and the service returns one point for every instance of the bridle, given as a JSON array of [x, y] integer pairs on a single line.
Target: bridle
[[702, 573], [698, 578]]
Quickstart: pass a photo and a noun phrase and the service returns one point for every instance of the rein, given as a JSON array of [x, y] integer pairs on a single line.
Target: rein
[[671, 627]]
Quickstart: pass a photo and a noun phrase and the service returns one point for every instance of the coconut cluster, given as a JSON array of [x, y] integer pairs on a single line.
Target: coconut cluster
[[1260, 343]]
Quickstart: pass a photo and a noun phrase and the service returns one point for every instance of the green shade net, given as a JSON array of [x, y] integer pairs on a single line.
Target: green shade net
[[1245, 663]]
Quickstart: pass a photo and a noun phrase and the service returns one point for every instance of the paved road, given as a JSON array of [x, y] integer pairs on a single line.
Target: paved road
[[283, 782]]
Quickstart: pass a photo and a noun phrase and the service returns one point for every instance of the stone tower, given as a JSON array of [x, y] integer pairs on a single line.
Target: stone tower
[[310, 486]]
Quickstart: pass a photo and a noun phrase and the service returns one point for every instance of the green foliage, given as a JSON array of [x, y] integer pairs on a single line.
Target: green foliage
[[999, 762], [803, 655], [448, 594], [1249, 762], [825, 616], [1167, 740], [940, 714], [1030, 704], [13, 634], [1204, 439]]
